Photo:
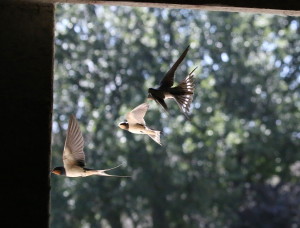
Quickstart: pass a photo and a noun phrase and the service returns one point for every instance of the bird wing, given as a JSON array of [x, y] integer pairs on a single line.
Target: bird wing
[[137, 114], [162, 103], [73, 151], [168, 79]]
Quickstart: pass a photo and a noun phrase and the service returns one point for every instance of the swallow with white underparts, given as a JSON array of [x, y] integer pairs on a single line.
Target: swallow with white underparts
[[136, 124], [74, 157], [182, 93]]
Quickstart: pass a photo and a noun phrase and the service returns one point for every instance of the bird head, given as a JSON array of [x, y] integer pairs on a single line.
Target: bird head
[[150, 97], [59, 171], [123, 125]]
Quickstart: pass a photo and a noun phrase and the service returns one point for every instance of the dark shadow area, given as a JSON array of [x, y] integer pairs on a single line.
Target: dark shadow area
[[26, 52]]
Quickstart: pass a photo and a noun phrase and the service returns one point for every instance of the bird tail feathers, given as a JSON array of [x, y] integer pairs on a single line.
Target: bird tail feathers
[[183, 93], [103, 172], [156, 137]]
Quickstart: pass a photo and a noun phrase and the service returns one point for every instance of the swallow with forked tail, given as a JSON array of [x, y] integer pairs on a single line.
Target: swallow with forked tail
[[136, 123], [182, 93], [74, 157]]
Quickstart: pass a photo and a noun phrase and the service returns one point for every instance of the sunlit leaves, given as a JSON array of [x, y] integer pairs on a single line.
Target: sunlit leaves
[[244, 127]]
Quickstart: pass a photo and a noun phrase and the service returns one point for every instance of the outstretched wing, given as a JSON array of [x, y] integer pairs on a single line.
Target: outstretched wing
[[73, 152], [137, 114], [161, 102], [168, 79]]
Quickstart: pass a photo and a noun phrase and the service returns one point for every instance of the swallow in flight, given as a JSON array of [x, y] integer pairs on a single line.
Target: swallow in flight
[[136, 124], [74, 157], [182, 93]]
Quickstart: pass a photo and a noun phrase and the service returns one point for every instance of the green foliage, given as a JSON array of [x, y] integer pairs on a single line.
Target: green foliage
[[241, 148]]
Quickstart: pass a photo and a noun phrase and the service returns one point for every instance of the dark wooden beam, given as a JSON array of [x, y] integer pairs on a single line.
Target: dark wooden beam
[[26, 60], [288, 7]]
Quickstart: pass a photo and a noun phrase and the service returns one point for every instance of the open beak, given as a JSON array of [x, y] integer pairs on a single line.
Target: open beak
[[55, 172], [122, 126], [150, 97]]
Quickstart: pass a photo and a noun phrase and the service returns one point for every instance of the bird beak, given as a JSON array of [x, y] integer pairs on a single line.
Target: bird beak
[[55, 172], [150, 97], [122, 126]]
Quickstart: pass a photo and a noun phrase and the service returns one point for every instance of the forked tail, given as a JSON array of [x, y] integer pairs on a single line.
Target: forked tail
[[155, 137], [103, 172], [184, 92]]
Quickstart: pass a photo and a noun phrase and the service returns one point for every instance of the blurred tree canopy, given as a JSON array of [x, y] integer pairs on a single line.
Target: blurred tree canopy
[[235, 164]]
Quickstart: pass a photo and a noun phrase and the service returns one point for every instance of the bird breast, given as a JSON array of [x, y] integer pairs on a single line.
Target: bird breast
[[168, 95], [75, 171], [137, 129], [164, 94]]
